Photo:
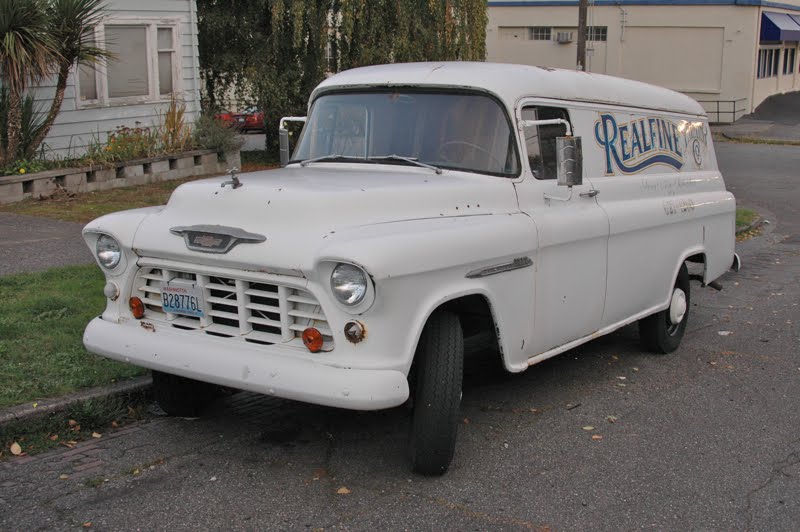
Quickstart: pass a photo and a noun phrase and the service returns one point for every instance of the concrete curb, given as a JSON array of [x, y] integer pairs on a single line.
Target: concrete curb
[[757, 139], [755, 225], [53, 405]]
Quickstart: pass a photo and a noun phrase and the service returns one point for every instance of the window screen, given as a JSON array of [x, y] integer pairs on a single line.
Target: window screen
[[127, 73]]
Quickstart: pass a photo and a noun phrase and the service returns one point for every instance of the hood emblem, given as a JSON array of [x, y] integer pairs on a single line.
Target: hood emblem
[[215, 238]]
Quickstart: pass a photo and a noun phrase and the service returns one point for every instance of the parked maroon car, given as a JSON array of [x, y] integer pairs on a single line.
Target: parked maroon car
[[249, 119]]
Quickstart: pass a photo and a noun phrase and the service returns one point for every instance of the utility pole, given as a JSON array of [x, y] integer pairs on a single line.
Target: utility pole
[[583, 5]]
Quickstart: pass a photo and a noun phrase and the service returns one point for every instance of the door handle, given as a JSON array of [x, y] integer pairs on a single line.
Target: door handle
[[589, 193]]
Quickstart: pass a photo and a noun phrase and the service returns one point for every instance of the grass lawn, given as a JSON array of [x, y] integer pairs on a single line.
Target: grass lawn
[[84, 208], [745, 217], [41, 326]]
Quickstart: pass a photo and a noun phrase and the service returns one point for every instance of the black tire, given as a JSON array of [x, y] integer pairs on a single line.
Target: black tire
[[180, 396], [657, 332], [437, 396]]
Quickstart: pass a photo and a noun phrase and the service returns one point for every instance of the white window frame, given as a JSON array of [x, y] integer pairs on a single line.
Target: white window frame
[[101, 79]]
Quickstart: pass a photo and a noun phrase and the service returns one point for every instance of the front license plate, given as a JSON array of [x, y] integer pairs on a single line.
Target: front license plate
[[186, 300]]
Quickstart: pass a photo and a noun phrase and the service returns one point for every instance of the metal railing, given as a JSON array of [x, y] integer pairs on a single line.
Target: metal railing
[[732, 111]]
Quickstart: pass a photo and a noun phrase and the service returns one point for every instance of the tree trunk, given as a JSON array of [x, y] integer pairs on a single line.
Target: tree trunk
[[55, 108], [14, 123]]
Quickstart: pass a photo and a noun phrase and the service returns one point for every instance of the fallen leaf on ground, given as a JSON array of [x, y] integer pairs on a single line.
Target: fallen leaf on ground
[[635, 369], [114, 424], [135, 471], [35, 405], [611, 419], [72, 422], [727, 353], [54, 437], [15, 449], [724, 333], [466, 421], [87, 524], [343, 491], [588, 427], [596, 437], [96, 435], [63, 477], [622, 378]]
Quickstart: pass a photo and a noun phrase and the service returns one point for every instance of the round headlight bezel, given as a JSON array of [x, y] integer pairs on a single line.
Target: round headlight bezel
[[108, 251], [344, 274], [327, 267]]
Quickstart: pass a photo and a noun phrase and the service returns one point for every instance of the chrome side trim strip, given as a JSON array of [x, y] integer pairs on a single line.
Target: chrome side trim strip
[[516, 264]]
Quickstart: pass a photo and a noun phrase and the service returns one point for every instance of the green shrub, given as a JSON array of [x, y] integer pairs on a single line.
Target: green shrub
[[212, 134]]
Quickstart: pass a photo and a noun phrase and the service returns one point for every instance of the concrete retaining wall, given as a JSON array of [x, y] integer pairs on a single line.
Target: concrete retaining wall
[[15, 188]]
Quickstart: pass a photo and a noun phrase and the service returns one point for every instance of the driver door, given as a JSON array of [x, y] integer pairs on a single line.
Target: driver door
[[570, 263]]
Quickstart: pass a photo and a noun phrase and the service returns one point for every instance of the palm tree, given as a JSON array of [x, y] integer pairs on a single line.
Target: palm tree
[[27, 55], [71, 28]]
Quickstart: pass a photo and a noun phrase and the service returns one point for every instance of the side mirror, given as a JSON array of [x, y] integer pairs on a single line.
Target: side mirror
[[283, 136], [569, 158], [283, 140]]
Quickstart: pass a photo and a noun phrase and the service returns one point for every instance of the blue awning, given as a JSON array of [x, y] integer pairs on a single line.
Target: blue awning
[[779, 27]]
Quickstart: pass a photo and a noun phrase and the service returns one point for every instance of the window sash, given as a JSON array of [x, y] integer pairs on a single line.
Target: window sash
[[104, 70]]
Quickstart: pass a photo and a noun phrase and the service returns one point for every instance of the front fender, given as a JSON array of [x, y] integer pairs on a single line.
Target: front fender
[[414, 247], [419, 265]]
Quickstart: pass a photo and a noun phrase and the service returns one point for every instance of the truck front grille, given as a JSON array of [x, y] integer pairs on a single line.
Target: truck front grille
[[249, 310]]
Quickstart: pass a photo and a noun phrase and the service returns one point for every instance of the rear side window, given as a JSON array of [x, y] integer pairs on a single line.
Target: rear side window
[[540, 141]]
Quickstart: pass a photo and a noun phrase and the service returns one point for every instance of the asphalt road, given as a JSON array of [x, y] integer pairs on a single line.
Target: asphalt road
[[29, 244], [705, 438]]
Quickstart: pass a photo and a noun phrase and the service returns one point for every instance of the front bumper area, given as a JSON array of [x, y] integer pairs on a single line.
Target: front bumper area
[[263, 369]]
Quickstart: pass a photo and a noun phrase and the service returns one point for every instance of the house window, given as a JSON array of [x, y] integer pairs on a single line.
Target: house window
[[768, 62], [127, 72], [597, 33], [145, 66], [87, 75], [788, 60], [539, 33]]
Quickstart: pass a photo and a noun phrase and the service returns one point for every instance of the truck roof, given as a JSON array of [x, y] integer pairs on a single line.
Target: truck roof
[[511, 82]]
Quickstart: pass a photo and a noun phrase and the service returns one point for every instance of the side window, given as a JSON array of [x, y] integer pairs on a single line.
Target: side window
[[541, 140]]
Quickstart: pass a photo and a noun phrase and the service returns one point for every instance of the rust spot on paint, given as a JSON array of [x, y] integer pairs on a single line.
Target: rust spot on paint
[[147, 326], [355, 332]]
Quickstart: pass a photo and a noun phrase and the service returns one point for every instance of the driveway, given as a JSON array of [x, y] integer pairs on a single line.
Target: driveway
[[29, 244]]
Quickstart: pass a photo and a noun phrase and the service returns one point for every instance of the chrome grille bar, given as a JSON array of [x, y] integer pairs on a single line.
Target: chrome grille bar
[[238, 308]]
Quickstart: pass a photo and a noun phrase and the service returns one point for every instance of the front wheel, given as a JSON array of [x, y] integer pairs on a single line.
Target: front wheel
[[662, 332], [437, 397]]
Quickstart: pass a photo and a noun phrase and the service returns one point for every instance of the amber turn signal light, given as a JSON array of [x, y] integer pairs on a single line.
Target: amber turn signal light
[[137, 307], [313, 339]]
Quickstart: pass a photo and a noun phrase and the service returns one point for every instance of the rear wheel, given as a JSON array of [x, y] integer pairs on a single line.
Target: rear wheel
[[437, 396], [180, 396], [662, 332]]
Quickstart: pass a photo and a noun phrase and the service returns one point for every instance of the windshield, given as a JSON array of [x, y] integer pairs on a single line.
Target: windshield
[[458, 131]]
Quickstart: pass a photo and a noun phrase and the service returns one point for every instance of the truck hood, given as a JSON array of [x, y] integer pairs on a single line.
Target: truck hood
[[303, 212]]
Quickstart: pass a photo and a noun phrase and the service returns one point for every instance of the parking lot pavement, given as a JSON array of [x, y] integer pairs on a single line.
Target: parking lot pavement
[[29, 244], [704, 438]]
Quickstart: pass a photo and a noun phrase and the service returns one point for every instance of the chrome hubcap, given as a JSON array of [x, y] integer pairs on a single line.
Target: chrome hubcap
[[677, 307]]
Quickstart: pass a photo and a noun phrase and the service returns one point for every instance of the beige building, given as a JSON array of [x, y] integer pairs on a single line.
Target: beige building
[[728, 54]]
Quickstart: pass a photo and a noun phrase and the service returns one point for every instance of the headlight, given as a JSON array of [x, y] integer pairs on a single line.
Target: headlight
[[108, 252], [349, 284]]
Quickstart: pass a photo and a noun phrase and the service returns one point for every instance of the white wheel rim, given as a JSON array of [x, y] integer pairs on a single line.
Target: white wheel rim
[[677, 307]]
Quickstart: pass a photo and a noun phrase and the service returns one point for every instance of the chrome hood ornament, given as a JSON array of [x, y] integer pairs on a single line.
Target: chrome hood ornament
[[234, 182], [215, 238]]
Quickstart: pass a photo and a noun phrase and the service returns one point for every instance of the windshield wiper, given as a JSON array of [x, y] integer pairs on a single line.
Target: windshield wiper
[[329, 157], [412, 160]]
